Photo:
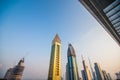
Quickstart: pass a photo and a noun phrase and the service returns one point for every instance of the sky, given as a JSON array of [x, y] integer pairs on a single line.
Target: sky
[[27, 28]]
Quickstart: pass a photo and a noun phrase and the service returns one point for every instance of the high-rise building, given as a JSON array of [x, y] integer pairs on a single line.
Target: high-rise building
[[109, 76], [86, 70], [98, 72], [16, 72], [55, 60], [107, 13], [117, 75], [106, 75], [93, 74], [72, 69], [83, 75]]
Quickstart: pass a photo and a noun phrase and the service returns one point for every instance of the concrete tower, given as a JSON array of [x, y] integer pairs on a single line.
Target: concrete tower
[[55, 60], [16, 72]]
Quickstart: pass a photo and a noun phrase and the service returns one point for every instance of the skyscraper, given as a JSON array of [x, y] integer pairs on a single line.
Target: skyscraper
[[117, 75], [93, 74], [86, 71], [83, 75], [106, 75], [72, 68], [107, 13], [16, 72], [55, 60], [109, 76], [98, 72]]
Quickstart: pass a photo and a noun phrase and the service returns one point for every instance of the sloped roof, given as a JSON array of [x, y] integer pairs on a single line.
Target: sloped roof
[[71, 51], [56, 39]]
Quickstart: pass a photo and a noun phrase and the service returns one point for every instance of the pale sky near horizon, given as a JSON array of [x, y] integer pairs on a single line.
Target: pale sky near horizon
[[29, 26]]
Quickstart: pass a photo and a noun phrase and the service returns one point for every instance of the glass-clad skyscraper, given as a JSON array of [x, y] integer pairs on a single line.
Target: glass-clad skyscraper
[[98, 71], [83, 75], [71, 67]]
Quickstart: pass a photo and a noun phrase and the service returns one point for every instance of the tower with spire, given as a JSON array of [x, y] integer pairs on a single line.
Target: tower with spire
[[55, 60], [71, 68], [93, 73], [86, 72]]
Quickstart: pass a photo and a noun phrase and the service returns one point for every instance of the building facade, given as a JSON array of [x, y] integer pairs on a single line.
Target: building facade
[[98, 71], [106, 75], [72, 69], [16, 72], [83, 75], [117, 76], [107, 13], [55, 60]]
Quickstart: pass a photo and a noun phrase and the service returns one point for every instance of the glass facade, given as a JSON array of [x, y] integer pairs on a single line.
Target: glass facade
[[72, 64], [113, 13], [98, 72]]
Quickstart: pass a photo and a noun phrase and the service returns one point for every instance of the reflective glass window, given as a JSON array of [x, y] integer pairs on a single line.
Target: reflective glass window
[[114, 16], [70, 60], [117, 28], [111, 6], [113, 11], [116, 25], [116, 20]]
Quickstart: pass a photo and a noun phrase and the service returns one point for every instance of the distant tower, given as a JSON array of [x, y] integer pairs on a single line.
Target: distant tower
[[83, 75], [16, 72], [106, 75], [109, 76], [55, 60], [93, 73], [72, 64], [98, 72], [117, 75], [86, 71]]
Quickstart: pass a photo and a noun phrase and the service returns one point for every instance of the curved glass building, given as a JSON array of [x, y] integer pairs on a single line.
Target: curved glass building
[[71, 68]]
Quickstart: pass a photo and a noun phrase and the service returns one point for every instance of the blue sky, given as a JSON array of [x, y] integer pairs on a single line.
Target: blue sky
[[29, 26]]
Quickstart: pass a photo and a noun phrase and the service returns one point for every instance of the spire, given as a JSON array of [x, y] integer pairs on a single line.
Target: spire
[[82, 57], [21, 62], [56, 39], [71, 51], [93, 75]]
